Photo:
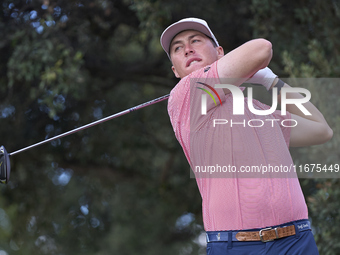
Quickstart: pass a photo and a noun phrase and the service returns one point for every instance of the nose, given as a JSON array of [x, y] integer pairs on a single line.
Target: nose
[[189, 49]]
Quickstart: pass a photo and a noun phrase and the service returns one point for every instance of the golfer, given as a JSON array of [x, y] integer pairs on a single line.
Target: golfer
[[240, 215]]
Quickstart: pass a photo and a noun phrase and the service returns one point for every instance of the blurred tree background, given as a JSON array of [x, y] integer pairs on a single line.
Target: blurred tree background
[[123, 187]]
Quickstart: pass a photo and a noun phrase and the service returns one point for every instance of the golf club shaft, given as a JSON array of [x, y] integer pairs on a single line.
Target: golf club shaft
[[154, 101]]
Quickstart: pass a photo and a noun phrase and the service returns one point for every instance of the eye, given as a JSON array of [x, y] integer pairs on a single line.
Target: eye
[[176, 49]]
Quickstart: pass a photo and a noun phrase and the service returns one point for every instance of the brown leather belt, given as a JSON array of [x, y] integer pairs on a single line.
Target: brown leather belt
[[267, 234], [264, 235]]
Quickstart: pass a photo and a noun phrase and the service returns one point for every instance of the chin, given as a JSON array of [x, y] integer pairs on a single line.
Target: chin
[[191, 69], [196, 67]]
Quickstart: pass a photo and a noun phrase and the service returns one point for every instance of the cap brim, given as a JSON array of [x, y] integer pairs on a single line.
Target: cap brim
[[176, 28]]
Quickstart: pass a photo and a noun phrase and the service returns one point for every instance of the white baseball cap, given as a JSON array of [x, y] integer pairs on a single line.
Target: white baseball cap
[[185, 24]]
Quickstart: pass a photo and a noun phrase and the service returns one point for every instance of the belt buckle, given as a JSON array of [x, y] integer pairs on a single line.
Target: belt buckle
[[264, 229]]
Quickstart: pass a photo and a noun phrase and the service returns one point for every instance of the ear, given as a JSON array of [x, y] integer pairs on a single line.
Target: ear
[[175, 72], [220, 52]]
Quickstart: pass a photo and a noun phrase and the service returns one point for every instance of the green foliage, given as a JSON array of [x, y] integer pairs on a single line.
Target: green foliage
[[325, 212], [123, 186]]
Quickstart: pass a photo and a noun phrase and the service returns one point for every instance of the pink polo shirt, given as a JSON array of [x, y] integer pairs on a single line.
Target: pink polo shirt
[[234, 201]]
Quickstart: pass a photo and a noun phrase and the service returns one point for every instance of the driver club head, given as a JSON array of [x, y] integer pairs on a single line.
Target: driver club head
[[5, 167]]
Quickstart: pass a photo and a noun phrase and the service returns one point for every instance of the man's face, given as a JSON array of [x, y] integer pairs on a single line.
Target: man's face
[[191, 50]]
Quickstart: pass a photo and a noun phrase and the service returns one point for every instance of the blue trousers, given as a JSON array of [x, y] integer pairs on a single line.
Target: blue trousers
[[302, 243]]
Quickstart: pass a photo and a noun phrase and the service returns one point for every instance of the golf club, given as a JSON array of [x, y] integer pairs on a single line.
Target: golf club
[[5, 166]]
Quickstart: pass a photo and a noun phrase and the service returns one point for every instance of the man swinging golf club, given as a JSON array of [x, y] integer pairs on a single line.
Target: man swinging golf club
[[240, 215]]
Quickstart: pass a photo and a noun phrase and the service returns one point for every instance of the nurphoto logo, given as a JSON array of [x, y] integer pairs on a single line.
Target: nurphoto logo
[[238, 99]]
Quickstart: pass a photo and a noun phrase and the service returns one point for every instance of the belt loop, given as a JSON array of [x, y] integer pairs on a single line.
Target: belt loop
[[230, 239], [297, 231]]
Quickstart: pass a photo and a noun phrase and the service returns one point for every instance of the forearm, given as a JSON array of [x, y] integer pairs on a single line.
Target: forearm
[[310, 129], [316, 115]]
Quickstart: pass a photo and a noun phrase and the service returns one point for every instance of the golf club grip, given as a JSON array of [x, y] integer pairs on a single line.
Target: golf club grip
[[154, 101]]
